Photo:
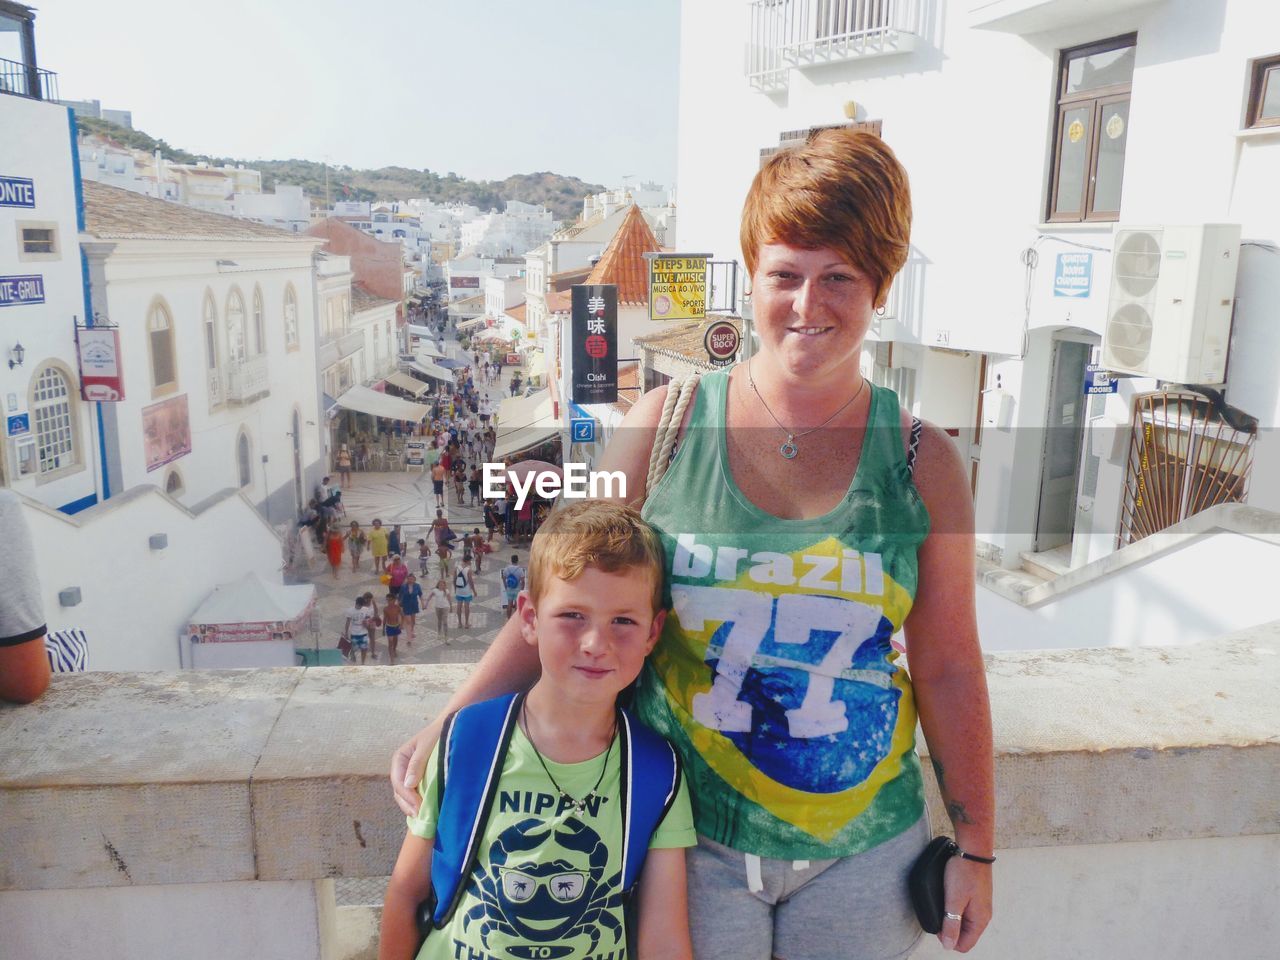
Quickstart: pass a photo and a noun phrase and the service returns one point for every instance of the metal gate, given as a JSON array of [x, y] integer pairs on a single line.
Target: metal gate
[[1183, 458]]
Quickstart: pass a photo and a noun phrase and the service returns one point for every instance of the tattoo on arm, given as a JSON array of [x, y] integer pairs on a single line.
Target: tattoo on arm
[[939, 773], [958, 815]]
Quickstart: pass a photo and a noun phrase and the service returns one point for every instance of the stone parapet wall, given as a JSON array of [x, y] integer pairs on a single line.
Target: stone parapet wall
[[207, 778]]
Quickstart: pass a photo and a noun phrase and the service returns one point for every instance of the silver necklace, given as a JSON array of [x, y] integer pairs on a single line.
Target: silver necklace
[[788, 449], [579, 805]]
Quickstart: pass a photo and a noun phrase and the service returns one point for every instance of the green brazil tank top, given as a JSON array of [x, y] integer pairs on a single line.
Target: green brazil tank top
[[774, 675]]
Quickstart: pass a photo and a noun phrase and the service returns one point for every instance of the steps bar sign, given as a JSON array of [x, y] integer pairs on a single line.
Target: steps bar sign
[[677, 286]]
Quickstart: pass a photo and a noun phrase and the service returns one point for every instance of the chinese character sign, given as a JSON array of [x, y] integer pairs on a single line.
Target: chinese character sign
[[678, 288], [595, 344]]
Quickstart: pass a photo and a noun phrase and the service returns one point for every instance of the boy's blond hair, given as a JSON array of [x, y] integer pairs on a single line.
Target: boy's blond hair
[[594, 533]]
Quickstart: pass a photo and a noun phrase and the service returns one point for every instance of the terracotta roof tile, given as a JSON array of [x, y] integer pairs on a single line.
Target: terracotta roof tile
[[516, 312], [116, 214], [559, 301], [683, 340], [362, 299], [623, 262], [567, 278]]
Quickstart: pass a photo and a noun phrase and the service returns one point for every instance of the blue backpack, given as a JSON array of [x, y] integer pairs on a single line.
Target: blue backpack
[[468, 769]]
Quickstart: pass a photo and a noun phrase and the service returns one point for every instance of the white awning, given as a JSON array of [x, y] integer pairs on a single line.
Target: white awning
[[253, 600], [406, 382], [473, 322], [418, 330], [524, 422], [515, 413], [429, 369], [363, 400], [519, 440]]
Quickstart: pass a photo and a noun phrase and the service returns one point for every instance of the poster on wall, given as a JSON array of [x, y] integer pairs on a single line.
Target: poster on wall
[[595, 343], [677, 286], [98, 349], [166, 432]]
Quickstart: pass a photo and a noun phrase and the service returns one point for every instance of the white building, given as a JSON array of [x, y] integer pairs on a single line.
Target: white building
[[517, 229], [50, 451], [287, 208], [217, 349], [1093, 117]]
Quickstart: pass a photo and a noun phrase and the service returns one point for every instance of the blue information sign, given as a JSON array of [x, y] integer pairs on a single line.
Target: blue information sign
[[1098, 380], [15, 291], [1073, 275], [582, 430], [19, 424], [17, 192]]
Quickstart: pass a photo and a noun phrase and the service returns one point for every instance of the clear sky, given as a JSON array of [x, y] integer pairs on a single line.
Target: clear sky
[[483, 88]]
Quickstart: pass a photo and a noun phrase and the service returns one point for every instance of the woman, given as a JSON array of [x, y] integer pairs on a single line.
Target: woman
[[464, 591], [410, 606], [333, 550], [398, 571], [356, 541], [806, 519], [344, 466]]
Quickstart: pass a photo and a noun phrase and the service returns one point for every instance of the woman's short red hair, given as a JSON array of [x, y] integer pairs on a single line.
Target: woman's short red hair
[[842, 189]]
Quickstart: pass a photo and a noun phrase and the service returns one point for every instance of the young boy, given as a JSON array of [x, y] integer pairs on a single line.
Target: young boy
[[551, 863], [392, 613]]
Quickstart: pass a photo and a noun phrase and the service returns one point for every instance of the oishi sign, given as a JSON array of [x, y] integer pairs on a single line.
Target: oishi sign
[[595, 343]]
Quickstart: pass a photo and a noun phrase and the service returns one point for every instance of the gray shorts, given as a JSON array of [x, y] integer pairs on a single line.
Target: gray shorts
[[854, 908]]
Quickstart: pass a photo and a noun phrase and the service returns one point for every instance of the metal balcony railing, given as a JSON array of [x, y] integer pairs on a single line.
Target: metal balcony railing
[[786, 33], [25, 80], [247, 380]]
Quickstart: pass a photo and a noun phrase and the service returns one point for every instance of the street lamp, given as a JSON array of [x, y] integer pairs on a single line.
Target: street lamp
[[16, 355]]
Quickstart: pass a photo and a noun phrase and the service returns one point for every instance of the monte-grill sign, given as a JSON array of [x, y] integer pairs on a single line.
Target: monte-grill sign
[[17, 192], [15, 291]]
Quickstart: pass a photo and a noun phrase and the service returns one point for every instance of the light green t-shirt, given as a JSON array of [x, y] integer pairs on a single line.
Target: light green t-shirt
[[548, 883]]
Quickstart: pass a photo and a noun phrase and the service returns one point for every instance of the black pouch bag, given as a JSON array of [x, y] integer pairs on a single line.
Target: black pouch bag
[[924, 882]]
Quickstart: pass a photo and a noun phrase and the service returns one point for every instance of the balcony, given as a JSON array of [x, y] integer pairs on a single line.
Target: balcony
[[350, 343], [247, 380], [25, 80], [1136, 806], [803, 33]]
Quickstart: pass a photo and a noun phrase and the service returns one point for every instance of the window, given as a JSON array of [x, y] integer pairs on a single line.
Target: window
[[259, 327], [210, 332], [164, 377], [37, 241], [52, 420], [242, 459], [1264, 93], [290, 318], [236, 346], [1091, 131]]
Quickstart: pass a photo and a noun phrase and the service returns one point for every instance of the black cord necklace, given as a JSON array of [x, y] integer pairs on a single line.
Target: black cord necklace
[[580, 805]]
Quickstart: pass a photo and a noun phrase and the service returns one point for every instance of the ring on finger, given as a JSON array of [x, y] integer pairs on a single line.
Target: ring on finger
[[952, 916]]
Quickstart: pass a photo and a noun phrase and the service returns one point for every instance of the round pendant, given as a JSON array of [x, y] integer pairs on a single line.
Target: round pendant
[[788, 450]]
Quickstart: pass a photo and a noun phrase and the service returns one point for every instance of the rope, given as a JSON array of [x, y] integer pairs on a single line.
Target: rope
[[679, 395]]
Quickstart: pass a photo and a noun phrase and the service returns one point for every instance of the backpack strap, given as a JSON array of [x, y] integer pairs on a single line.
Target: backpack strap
[[649, 784], [913, 446], [475, 742], [679, 395]]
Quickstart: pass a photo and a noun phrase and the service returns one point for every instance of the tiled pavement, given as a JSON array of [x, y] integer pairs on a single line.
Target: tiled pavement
[[400, 498], [405, 497]]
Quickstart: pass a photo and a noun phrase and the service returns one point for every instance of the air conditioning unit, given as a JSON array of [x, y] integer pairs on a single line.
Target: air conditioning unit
[[1169, 314]]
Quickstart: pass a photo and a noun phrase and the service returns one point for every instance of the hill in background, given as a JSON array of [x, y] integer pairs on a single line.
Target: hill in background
[[561, 195]]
